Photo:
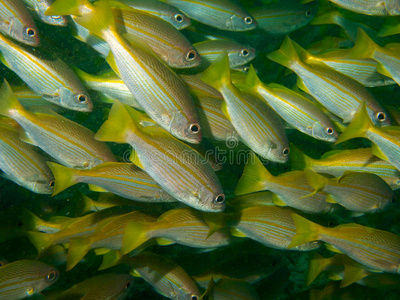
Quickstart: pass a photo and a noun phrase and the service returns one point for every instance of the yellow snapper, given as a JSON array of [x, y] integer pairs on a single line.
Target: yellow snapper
[[376, 249], [257, 124], [123, 179], [356, 191], [336, 162], [371, 7], [22, 164], [340, 94], [386, 140], [68, 142], [23, 278], [107, 236], [238, 54], [184, 226], [269, 225], [275, 18], [161, 10], [49, 77], [17, 23], [68, 229], [179, 169], [160, 92], [164, 275], [40, 7], [290, 188], [295, 109], [104, 286], [387, 57], [223, 14]]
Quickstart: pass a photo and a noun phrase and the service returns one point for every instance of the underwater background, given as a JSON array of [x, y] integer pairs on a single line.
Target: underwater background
[[274, 274]]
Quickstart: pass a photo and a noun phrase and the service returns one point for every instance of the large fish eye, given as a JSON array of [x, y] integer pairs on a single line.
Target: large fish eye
[[308, 13], [380, 116], [191, 55], [286, 151], [244, 52], [81, 98], [52, 275], [178, 18], [50, 185], [329, 131], [248, 20], [194, 128], [219, 199], [194, 297], [31, 32], [127, 285]]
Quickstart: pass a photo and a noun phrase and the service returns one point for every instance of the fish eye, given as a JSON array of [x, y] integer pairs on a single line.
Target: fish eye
[[329, 131], [191, 55], [219, 199], [244, 52], [2, 263], [52, 275], [55, 17], [50, 185], [81, 98], [194, 297], [381, 116], [178, 18], [194, 128], [31, 32], [246, 69], [286, 151], [248, 20], [127, 285], [308, 13]]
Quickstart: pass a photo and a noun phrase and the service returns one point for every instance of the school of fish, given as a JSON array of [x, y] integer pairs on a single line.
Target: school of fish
[[259, 141]]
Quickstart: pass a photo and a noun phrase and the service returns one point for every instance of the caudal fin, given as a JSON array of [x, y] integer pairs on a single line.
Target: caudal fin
[[286, 54], [40, 240], [306, 231], [254, 177], [8, 101], [64, 177], [135, 234], [110, 259], [317, 265], [78, 248], [218, 74]]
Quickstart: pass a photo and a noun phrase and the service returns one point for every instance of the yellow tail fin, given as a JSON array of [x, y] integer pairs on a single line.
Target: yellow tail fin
[[316, 266], [110, 259], [254, 178], [78, 248], [41, 241], [64, 177], [306, 231], [66, 7], [135, 234], [285, 55], [219, 73], [8, 101]]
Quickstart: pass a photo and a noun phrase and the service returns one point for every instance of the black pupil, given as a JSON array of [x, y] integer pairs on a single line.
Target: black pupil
[[191, 55], [381, 116], [245, 52], [128, 285], [248, 20], [194, 298], [51, 276], [219, 199], [31, 32], [194, 128], [81, 98], [286, 151], [51, 184], [179, 18], [308, 13], [329, 130]]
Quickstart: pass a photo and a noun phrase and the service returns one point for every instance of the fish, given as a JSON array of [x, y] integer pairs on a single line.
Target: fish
[[290, 187], [340, 94], [276, 19], [162, 94], [17, 23], [251, 199], [198, 87], [257, 125], [386, 141], [123, 179], [231, 289], [184, 226], [163, 274], [23, 278], [40, 7], [49, 77], [224, 14], [104, 286], [376, 249], [161, 10], [108, 236], [238, 54], [22, 163], [68, 142], [336, 162], [179, 169], [269, 225], [371, 7], [295, 109], [359, 192]]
